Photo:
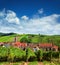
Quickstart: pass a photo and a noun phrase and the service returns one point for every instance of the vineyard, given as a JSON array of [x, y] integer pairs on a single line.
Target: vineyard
[[17, 55]]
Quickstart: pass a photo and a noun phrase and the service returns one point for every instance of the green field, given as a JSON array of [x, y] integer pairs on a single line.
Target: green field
[[6, 39]]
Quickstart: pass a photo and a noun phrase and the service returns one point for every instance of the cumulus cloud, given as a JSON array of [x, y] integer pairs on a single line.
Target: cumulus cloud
[[9, 16], [24, 17], [44, 25], [9, 22]]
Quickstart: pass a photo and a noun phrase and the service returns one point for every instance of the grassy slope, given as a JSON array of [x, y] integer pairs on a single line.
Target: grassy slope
[[6, 39], [34, 38], [10, 38]]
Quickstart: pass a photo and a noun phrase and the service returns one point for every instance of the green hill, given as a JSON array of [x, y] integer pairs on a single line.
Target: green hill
[[31, 38], [7, 37]]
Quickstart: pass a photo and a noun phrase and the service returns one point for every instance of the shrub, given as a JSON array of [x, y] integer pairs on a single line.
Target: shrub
[[55, 54], [47, 55]]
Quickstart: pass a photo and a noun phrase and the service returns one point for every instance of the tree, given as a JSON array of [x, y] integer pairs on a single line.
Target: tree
[[25, 39]]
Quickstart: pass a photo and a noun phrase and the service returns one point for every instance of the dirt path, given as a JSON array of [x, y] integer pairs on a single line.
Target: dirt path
[[25, 63], [40, 63]]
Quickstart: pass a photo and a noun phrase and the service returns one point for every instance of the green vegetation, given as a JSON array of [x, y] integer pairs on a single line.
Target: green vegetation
[[6, 39], [29, 54], [17, 56], [52, 63], [9, 63], [31, 38], [33, 63], [13, 54], [3, 53], [39, 54]]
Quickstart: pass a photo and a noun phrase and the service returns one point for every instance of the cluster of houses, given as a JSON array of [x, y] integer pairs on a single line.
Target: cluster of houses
[[44, 46]]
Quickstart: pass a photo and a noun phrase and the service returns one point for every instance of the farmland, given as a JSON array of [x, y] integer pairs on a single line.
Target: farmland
[[28, 57]]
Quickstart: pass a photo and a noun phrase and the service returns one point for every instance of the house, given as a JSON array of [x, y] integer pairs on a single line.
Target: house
[[34, 47], [48, 46], [20, 45]]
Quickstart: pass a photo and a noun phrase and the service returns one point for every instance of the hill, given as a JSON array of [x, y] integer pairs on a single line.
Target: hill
[[31, 38]]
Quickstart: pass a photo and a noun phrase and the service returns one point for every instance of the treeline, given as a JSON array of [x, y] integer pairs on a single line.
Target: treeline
[[7, 34], [13, 54], [31, 38]]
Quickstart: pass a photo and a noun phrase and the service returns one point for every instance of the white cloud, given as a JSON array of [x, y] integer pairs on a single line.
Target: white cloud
[[11, 17], [40, 11], [24, 17], [2, 13], [43, 25]]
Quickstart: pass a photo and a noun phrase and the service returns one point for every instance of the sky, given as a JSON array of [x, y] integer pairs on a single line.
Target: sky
[[30, 16]]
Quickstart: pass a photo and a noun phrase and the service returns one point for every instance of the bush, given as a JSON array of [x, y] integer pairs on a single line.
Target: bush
[[47, 55], [55, 54]]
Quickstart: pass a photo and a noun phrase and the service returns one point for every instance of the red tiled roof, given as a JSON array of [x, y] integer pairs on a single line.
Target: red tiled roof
[[45, 45], [48, 45], [56, 47], [19, 44]]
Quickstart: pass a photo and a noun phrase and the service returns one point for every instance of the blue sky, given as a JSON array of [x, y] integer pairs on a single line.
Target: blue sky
[[30, 16]]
